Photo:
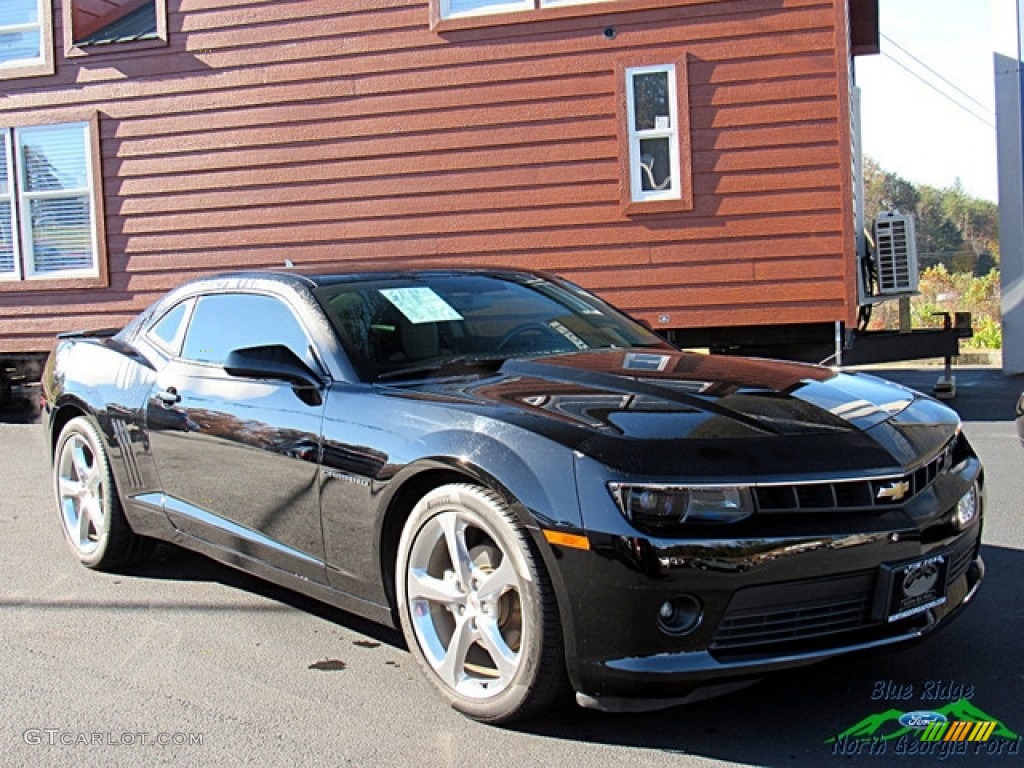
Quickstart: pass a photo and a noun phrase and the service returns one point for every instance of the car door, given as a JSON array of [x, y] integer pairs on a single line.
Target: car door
[[238, 457]]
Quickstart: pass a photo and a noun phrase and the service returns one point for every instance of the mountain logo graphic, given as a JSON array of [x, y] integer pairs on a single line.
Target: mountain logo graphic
[[889, 725]]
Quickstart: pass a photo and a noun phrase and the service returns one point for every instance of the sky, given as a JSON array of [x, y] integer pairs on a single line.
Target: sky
[[911, 129]]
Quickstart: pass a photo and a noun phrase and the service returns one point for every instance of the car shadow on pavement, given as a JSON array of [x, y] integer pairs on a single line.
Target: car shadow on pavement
[[789, 718], [171, 563]]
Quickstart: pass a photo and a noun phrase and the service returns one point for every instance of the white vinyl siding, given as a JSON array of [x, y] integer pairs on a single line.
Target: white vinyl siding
[[49, 176], [652, 114]]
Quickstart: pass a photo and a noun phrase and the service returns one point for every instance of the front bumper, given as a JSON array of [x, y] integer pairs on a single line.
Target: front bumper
[[788, 593], [621, 653], [703, 674]]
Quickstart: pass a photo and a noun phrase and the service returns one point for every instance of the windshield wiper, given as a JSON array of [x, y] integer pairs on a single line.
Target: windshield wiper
[[468, 361]]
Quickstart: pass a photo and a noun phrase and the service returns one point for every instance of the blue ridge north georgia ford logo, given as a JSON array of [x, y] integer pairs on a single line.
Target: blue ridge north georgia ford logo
[[956, 728]]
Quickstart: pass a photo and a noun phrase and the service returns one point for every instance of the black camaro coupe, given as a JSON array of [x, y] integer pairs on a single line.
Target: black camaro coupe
[[539, 491]]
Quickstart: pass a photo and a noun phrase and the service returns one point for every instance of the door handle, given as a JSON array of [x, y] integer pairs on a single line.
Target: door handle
[[169, 396]]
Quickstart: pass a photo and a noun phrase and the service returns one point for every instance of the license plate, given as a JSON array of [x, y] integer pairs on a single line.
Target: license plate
[[914, 587]]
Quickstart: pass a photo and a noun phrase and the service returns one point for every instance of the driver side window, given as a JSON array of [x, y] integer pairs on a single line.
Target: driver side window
[[228, 321]]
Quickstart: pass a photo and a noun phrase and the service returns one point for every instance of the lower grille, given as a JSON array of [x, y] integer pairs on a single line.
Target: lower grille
[[812, 613], [783, 613], [960, 560]]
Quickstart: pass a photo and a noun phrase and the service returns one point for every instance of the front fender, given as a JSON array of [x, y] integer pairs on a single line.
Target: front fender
[[537, 473], [540, 488]]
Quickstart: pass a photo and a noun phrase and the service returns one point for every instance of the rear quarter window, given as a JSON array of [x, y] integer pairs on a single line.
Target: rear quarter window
[[167, 332]]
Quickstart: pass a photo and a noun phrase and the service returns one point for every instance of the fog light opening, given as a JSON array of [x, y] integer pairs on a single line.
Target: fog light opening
[[680, 615]]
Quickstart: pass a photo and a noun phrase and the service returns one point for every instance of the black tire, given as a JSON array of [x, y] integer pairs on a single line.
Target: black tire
[[486, 631], [88, 505]]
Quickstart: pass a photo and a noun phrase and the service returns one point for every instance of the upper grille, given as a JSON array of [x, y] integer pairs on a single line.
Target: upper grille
[[847, 495]]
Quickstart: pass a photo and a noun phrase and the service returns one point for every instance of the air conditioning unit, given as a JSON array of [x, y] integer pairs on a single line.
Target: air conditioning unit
[[895, 254]]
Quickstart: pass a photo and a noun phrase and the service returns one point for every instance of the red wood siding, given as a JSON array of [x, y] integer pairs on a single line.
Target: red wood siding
[[352, 135]]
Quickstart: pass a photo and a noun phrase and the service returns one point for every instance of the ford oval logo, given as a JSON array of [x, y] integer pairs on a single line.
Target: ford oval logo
[[921, 719]]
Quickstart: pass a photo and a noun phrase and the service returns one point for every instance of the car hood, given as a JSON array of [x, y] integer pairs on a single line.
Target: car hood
[[638, 409]]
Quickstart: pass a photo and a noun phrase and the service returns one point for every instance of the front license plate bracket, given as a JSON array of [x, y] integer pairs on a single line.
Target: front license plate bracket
[[907, 589]]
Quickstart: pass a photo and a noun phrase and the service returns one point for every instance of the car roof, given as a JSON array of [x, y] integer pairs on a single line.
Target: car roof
[[318, 279]]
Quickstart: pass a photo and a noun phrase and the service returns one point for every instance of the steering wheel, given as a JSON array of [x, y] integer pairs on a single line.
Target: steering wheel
[[520, 336]]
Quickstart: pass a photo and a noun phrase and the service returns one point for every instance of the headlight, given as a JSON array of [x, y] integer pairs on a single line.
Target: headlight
[[658, 505], [967, 508]]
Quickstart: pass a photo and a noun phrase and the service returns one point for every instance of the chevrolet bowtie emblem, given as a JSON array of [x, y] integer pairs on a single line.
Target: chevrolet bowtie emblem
[[894, 492]]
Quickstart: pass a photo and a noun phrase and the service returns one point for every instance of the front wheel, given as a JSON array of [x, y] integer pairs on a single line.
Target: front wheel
[[477, 607], [90, 511]]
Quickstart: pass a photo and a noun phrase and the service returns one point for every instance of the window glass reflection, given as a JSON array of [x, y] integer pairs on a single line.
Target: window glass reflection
[[650, 101], [53, 157], [225, 322]]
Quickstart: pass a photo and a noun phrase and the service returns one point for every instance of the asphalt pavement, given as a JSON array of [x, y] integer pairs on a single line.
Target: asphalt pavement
[[184, 662]]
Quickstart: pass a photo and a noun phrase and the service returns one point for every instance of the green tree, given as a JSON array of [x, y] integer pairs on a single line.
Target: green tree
[[885, 191], [958, 252], [953, 228]]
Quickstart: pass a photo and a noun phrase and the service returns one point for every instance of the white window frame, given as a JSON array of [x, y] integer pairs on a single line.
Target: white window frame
[[670, 132], [496, 6], [508, 6], [25, 261], [42, 62], [556, 3], [7, 196]]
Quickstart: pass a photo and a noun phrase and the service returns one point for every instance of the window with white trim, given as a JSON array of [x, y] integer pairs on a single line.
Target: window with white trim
[[26, 33], [652, 114], [47, 216], [457, 8]]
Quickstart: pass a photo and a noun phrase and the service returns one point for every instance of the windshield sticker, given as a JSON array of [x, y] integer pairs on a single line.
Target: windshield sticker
[[420, 304], [571, 337]]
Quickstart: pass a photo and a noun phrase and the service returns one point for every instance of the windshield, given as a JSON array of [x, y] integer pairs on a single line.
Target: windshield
[[397, 325]]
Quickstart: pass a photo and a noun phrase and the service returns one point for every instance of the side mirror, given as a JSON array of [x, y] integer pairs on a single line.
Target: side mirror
[[273, 361]]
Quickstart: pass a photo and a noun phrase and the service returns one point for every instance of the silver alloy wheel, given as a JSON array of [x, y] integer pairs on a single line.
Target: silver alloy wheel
[[476, 604], [463, 594], [81, 491], [464, 597]]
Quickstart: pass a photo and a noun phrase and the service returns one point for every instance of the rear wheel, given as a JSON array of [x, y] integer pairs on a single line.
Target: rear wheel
[[90, 511], [477, 607]]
